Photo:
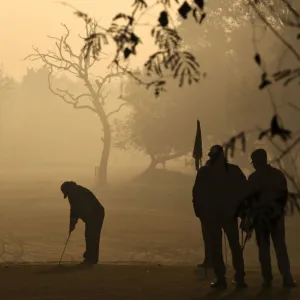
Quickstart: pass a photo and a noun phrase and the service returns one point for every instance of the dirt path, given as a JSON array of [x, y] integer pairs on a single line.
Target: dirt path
[[111, 282]]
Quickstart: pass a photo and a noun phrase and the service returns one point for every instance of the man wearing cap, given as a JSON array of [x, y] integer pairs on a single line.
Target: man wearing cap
[[218, 191], [268, 187], [85, 206]]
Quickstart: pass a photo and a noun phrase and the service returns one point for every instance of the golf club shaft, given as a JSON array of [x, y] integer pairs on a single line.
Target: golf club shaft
[[64, 249]]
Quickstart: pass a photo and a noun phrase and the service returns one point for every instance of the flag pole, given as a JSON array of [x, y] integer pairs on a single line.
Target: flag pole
[[198, 152]]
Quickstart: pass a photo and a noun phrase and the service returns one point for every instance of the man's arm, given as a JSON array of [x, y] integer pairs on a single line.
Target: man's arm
[[73, 219], [283, 187], [253, 186], [201, 174], [197, 185], [240, 187]]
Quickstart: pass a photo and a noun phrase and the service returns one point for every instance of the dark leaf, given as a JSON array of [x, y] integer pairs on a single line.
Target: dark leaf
[[127, 53], [203, 16], [298, 36], [285, 134], [181, 81], [263, 134], [140, 4], [257, 59], [167, 2], [242, 137], [134, 39], [275, 128], [264, 83], [196, 14], [184, 9], [83, 16], [156, 93], [177, 70], [200, 3], [232, 146], [163, 19]]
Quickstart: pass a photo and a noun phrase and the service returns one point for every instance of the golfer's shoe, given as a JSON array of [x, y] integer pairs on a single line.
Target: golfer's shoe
[[289, 283], [219, 284], [239, 284]]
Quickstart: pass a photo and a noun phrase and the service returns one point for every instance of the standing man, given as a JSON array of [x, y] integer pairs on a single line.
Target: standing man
[[217, 193], [268, 186], [207, 262], [85, 206], [197, 155]]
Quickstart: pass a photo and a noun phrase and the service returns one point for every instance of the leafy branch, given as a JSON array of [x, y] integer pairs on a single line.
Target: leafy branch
[[122, 33]]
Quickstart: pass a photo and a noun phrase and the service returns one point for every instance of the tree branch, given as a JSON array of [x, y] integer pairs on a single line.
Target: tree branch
[[291, 9], [107, 78], [172, 156], [116, 110], [279, 163], [297, 108], [287, 150], [74, 100], [275, 32], [59, 60]]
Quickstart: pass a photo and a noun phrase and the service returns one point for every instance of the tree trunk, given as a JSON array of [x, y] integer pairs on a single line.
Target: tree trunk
[[154, 162], [102, 174], [152, 166]]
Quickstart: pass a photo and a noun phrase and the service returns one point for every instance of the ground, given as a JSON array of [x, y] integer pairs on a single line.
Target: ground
[[146, 224], [132, 282]]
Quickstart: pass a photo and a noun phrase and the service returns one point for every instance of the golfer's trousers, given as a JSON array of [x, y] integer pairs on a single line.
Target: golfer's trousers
[[93, 227]]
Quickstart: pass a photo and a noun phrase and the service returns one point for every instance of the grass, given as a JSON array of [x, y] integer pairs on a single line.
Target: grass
[[149, 222], [113, 282]]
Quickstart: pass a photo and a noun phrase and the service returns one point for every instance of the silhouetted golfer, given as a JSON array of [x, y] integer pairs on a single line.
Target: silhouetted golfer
[[268, 185], [85, 206], [218, 191]]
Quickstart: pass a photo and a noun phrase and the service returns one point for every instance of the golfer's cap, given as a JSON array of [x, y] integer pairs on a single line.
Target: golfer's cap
[[65, 187], [216, 150]]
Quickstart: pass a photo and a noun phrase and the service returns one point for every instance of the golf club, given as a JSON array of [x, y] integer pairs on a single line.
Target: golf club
[[64, 249]]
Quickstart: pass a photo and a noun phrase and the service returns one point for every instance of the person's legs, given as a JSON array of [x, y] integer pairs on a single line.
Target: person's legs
[[231, 230], [92, 236], [207, 263], [214, 237], [278, 238], [263, 242]]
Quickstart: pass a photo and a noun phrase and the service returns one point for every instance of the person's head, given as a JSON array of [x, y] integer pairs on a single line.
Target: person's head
[[216, 153], [67, 187], [259, 158]]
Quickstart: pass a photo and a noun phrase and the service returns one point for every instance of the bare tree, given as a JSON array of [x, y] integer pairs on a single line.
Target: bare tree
[[64, 59]]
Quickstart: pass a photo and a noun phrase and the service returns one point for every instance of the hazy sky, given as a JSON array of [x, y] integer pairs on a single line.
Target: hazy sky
[[25, 23]]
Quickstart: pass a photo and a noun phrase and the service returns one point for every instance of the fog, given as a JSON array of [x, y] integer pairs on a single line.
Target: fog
[[45, 141]]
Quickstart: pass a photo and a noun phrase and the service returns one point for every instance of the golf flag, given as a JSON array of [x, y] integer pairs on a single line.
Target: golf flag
[[197, 153]]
